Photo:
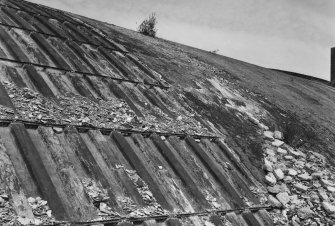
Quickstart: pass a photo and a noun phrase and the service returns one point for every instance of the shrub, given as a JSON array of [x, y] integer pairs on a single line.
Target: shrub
[[148, 26]]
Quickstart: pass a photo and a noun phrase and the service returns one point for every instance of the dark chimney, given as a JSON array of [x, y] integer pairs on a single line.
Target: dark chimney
[[332, 64]]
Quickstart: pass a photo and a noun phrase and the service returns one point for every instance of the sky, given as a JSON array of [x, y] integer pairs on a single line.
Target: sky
[[293, 35]]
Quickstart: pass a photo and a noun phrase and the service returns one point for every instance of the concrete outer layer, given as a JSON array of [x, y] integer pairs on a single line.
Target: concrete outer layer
[[53, 52]]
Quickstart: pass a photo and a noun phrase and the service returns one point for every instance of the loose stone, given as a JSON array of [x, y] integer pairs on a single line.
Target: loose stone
[[278, 135], [305, 176], [281, 151], [278, 174], [277, 143], [292, 172], [270, 179], [274, 202], [329, 208], [300, 187], [283, 197]]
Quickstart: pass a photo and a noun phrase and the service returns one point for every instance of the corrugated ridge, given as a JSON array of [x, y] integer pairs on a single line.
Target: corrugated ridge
[[84, 158], [78, 156]]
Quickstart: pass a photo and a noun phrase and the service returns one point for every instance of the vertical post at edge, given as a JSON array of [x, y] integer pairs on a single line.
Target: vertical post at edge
[[332, 65]]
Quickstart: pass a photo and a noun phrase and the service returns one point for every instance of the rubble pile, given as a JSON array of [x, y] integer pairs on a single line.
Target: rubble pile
[[7, 213], [6, 112], [41, 211], [152, 208], [99, 198], [78, 110], [301, 182]]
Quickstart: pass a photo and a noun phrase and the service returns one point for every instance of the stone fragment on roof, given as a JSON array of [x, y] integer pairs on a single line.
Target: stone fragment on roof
[[283, 197], [268, 134], [328, 207], [278, 174], [281, 151], [73, 109], [300, 187], [270, 179], [277, 143], [274, 202], [278, 135]]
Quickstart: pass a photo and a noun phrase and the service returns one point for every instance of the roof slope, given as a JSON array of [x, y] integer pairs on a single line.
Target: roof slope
[[101, 121]]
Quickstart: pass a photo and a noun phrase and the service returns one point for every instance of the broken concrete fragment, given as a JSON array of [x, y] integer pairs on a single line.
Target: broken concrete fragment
[[278, 135], [278, 174], [305, 176], [277, 188], [270, 179], [295, 200], [300, 187], [277, 143], [305, 212], [49, 213], [292, 172], [299, 164], [329, 208], [24, 221], [270, 152], [268, 134], [326, 183], [323, 195], [293, 152], [330, 189], [57, 129], [314, 197], [288, 157], [281, 151], [31, 200], [288, 179], [274, 202], [283, 197], [267, 165]]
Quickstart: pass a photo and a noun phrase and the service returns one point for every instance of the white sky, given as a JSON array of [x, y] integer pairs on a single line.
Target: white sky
[[294, 35]]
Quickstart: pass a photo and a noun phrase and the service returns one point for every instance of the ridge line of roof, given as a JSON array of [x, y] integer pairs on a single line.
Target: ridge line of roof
[[82, 24], [61, 37]]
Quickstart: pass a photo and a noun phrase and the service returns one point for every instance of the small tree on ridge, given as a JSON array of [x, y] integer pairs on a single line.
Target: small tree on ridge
[[148, 26]]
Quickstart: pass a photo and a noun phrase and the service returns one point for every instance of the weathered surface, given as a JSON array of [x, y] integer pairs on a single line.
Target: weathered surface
[[91, 74]]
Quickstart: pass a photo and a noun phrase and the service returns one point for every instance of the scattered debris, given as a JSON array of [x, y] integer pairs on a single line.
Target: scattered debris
[[152, 208], [74, 109], [41, 211], [300, 182], [7, 213], [99, 197]]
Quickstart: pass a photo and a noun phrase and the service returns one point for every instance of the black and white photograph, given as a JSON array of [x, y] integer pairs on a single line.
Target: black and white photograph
[[167, 113]]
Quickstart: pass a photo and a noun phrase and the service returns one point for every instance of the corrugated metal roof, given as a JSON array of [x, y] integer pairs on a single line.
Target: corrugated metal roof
[[176, 166]]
